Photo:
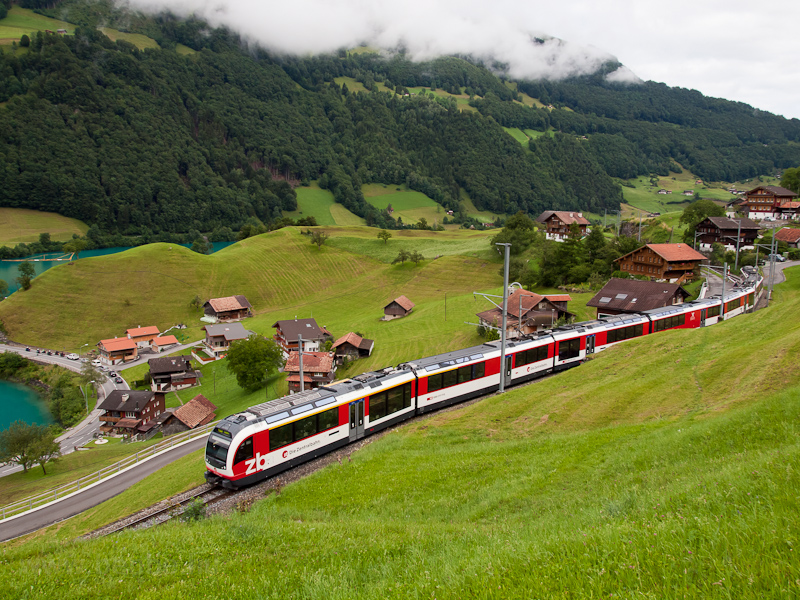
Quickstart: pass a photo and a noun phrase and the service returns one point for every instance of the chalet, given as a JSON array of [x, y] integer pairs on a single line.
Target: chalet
[[688, 192], [672, 262], [61, 31], [142, 336], [790, 236], [351, 347], [231, 308], [765, 202], [527, 312], [219, 337], [622, 296], [196, 412], [172, 373], [728, 232], [557, 223], [399, 307], [117, 350], [287, 334], [319, 368], [162, 342], [129, 412], [662, 191]]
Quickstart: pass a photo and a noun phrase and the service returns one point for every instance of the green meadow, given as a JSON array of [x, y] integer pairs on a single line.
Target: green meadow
[[407, 204], [23, 21], [665, 467], [142, 42], [313, 201], [19, 225]]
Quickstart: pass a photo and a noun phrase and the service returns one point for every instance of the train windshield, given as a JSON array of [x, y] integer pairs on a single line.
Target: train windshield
[[217, 450]]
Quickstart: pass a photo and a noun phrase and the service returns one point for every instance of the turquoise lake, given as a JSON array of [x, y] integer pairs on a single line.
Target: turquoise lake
[[19, 402]]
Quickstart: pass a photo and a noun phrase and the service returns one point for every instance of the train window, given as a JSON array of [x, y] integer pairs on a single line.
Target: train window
[[435, 382], [245, 451], [217, 448], [712, 312], [394, 402], [449, 378], [280, 437], [464, 374], [377, 406], [478, 370], [305, 427], [569, 349], [328, 419], [407, 395]]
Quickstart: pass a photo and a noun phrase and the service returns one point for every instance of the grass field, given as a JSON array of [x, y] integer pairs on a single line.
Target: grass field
[[517, 134], [24, 225], [142, 42], [312, 201], [184, 50], [484, 216], [408, 205], [21, 21], [663, 468]]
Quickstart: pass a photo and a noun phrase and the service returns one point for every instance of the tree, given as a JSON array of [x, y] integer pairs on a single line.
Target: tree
[[26, 272], [252, 360], [384, 235], [24, 41], [519, 231], [75, 245], [695, 213], [201, 246], [26, 445], [416, 257], [791, 179], [423, 223], [319, 237], [402, 257], [3, 288], [45, 449]]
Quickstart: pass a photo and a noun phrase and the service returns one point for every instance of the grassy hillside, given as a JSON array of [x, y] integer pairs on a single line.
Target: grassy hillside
[[142, 42], [407, 204], [22, 21], [312, 201], [24, 225], [663, 468]]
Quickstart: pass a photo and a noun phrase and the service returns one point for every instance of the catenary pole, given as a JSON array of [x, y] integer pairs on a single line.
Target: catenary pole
[[505, 311], [724, 277], [300, 350]]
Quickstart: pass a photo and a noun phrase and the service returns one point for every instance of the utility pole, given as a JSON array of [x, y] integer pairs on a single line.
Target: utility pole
[[445, 306], [505, 310], [738, 238], [605, 212], [639, 236], [724, 277], [300, 351]]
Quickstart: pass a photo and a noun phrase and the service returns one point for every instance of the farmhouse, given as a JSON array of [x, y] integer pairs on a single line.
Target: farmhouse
[[399, 307], [790, 236], [172, 373], [129, 412], [351, 347], [527, 312], [622, 296], [230, 308], [219, 337], [117, 350], [287, 334], [672, 262], [725, 231], [557, 223], [767, 202], [142, 336], [196, 412], [319, 368]]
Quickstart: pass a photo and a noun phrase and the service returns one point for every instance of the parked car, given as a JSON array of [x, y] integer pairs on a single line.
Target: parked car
[[73, 356], [112, 374], [96, 363], [119, 380], [776, 257]]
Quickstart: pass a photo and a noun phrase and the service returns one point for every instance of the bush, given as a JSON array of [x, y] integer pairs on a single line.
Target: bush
[[194, 511]]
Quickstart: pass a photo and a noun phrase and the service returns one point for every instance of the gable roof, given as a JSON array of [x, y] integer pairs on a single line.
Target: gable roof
[[127, 400], [115, 344], [308, 328], [197, 411], [787, 234], [140, 331], [170, 364], [230, 331], [726, 223], [320, 362], [165, 340], [669, 252], [403, 302], [354, 340], [775, 189], [565, 216], [636, 295], [229, 303]]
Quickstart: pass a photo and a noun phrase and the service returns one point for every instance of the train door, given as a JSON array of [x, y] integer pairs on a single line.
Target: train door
[[590, 344], [703, 313], [508, 367], [356, 420]]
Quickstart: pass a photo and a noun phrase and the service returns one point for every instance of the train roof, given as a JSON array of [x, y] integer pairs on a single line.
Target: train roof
[[672, 309], [429, 363]]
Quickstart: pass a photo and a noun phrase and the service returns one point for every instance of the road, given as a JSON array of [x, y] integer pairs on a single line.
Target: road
[[93, 496]]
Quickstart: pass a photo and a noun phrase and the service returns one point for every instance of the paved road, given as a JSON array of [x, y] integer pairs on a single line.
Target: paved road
[[93, 496]]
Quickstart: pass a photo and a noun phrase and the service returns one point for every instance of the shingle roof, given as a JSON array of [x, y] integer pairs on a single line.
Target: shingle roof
[[788, 234], [293, 328], [403, 302], [197, 411], [231, 331], [636, 295], [354, 340], [141, 331], [228, 303], [165, 340], [565, 216], [780, 191], [726, 223], [170, 364], [675, 252], [114, 344], [559, 297], [320, 362], [126, 400]]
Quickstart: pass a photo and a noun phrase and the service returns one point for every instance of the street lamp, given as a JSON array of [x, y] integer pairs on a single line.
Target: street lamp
[[85, 397], [696, 233]]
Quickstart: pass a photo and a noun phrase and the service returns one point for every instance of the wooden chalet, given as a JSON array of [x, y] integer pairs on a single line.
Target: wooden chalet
[[397, 308], [230, 308], [790, 236], [527, 312], [350, 347], [557, 223], [622, 296], [117, 350], [142, 336], [162, 342], [172, 373], [219, 337], [196, 412], [671, 262], [129, 412], [725, 231], [770, 202], [287, 334], [319, 368]]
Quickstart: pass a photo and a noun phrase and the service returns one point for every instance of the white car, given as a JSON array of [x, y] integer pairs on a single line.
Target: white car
[[73, 356], [96, 363]]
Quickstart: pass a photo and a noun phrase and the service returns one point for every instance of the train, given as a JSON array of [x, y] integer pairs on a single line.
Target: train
[[277, 435]]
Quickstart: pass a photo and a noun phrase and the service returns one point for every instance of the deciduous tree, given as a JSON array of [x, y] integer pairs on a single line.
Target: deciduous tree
[[27, 445], [384, 235], [26, 272], [253, 360], [319, 237], [402, 256]]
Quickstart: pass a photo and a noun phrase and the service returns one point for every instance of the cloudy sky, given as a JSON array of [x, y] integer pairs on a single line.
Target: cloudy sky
[[732, 49]]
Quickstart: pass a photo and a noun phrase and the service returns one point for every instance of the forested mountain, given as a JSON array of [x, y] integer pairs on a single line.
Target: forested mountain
[[149, 141]]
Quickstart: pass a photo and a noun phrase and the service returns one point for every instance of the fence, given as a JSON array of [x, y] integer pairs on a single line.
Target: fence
[[108, 472]]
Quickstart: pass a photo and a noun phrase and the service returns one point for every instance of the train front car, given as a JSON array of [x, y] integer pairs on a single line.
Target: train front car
[[224, 442]]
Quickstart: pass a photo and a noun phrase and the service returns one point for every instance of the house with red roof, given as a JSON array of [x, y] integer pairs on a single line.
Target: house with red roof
[[558, 222], [162, 342], [790, 236], [114, 351], [319, 368], [399, 307], [351, 346], [230, 308], [142, 336], [196, 412], [675, 263], [770, 202], [527, 312]]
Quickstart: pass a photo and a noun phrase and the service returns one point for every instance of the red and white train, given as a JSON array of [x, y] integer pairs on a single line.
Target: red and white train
[[277, 435]]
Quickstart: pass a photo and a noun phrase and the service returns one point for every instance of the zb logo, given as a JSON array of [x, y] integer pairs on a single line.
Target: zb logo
[[259, 463]]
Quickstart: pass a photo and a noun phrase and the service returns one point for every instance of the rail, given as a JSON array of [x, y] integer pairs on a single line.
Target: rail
[[52, 495]]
